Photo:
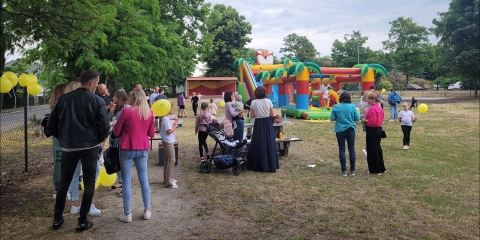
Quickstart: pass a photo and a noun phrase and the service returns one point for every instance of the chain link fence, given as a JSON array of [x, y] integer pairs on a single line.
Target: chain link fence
[[12, 142]]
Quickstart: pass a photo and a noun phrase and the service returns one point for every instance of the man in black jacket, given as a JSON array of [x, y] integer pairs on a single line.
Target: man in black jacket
[[79, 121]]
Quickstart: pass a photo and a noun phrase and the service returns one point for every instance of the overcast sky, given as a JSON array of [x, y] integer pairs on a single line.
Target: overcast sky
[[323, 21]]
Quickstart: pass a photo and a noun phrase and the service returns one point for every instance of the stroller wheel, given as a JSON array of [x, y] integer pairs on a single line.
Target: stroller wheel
[[243, 166], [205, 167], [236, 170]]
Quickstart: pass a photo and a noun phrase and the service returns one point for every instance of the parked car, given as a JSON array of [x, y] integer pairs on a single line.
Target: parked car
[[413, 87], [455, 86]]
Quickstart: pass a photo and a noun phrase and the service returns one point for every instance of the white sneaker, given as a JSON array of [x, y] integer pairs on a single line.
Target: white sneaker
[[147, 215], [405, 147], [174, 186], [364, 151], [174, 181], [75, 210], [125, 218], [94, 211], [55, 195], [391, 120]]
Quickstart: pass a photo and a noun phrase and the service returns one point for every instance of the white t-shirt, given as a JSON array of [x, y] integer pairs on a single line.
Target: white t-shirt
[[261, 107], [166, 125], [406, 117], [325, 94]]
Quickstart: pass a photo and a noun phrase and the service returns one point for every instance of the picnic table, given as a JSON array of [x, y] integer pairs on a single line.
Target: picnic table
[[283, 144]]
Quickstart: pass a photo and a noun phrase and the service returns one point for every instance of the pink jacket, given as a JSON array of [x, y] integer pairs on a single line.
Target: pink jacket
[[374, 116], [133, 131]]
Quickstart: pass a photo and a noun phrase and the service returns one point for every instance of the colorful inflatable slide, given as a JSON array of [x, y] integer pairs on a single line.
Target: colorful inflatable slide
[[293, 79]]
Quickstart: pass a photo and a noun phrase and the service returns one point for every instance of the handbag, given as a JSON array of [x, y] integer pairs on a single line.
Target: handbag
[[384, 135], [111, 160]]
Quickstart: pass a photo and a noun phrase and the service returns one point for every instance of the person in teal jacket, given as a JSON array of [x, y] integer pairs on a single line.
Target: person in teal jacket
[[345, 115]]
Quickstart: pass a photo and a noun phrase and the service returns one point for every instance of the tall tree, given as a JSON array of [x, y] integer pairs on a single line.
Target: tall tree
[[28, 22], [224, 38], [407, 46], [350, 52], [458, 28], [299, 47]]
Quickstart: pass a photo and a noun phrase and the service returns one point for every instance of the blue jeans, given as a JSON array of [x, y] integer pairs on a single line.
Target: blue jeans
[[393, 111], [348, 135], [238, 131], [75, 179], [140, 158]]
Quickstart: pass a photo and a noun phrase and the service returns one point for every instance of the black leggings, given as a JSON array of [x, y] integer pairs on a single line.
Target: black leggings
[[195, 106], [202, 142], [406, 134]]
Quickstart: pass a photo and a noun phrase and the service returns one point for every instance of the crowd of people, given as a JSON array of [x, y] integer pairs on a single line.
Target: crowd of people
[[81, 121], [371, 117]]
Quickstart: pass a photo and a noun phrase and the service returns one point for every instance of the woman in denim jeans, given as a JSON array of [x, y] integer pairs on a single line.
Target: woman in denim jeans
[[345, 115], [134, 126]]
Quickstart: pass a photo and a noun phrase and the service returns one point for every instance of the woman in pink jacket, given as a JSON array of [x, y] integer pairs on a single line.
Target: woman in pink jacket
[[134, 126], [373, 121]]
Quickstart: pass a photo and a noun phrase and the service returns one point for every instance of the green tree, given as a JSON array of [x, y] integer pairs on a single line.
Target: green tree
[[458, 28], [408, 46], [224, 38], [299, 47], [350, 52], [29, 22]]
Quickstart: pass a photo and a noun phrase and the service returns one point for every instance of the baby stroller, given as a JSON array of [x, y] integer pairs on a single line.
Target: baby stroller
[[228, 155]]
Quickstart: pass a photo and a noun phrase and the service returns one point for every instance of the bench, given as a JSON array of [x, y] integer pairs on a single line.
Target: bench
[[282, 145], [151, 141]]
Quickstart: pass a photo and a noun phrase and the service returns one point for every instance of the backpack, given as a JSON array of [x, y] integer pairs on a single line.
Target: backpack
[[44, 124]]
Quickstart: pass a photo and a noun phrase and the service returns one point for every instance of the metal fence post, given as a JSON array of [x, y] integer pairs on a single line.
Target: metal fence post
[[25, 97]]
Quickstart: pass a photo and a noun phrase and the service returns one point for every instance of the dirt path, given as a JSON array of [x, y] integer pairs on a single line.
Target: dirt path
[[173, 210]]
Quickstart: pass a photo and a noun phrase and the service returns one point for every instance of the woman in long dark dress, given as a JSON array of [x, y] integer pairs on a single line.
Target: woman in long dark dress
[[262, 154], [373, 120]]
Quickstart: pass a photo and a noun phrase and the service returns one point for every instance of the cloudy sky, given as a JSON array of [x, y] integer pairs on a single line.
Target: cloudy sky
[[323, 21]]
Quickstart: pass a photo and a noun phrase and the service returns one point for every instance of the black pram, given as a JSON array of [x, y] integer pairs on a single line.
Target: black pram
[[229, 154]]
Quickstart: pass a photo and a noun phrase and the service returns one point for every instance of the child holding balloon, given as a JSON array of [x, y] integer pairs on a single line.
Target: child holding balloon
[[406, 119], [167, 131]]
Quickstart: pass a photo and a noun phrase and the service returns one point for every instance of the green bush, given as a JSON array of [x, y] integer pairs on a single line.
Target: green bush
[[385, 85]]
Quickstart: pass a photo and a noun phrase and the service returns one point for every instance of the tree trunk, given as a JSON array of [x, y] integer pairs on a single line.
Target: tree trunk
[[475, 87], [111, 86], [406, 84]]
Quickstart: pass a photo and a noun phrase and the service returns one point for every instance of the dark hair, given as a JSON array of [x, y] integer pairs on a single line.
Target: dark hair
[[372, 87], [260, 92], [88, 75], [227, 96], [345, 97], [204, 105]]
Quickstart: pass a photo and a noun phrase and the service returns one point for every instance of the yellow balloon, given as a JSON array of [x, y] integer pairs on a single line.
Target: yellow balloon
[[25, 80], [383, 90], [222, 103], [161, 107], [33, 78], [5, 85], [12, 77], [105, 179], [97, 183], [423, 108], [34, 89]]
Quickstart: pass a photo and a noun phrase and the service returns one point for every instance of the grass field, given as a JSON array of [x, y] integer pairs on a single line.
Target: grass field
[[430, 191]]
